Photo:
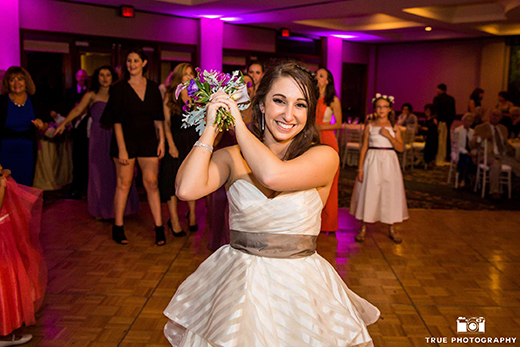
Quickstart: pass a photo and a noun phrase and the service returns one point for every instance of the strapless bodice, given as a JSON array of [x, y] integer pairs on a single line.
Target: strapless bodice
[[296, 212], [375, 139]]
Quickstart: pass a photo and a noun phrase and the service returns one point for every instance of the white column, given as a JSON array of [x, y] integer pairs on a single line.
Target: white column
[[210, 48]]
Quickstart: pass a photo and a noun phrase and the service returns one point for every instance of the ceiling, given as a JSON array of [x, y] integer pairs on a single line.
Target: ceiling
[[374, 21]]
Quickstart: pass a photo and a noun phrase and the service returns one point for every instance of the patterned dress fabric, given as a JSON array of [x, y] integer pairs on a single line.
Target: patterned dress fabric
[[237, 299]]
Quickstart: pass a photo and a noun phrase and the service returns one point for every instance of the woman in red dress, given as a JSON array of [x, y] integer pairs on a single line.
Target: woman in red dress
[[23, 274], [328, 106]]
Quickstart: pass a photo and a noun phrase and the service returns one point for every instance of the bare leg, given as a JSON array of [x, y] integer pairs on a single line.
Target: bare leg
[[150, 169], [360, 237], [193, 216], [125, 176], [174, 215]]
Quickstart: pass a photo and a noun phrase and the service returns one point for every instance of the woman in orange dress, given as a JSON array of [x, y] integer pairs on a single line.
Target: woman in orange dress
[[328, 105]]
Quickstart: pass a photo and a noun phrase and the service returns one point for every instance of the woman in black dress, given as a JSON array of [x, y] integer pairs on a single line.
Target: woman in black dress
[[135, 110], [180, 141]]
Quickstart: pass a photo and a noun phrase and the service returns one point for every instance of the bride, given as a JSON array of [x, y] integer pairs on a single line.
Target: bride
[[268, 287]]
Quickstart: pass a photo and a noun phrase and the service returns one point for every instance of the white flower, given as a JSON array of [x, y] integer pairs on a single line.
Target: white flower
[[385, 97], [241, 95], [378, 95], [391, 98], [179, 89]]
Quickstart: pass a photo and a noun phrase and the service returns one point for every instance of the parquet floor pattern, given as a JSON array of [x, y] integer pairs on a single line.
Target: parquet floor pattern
[[451, 264]]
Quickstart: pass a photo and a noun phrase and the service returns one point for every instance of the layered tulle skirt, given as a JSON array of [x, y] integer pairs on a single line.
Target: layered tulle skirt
[[381, 196], [236, 299], [23, 274]]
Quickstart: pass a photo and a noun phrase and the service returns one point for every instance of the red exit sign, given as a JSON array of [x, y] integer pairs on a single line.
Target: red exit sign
[[127, 11]]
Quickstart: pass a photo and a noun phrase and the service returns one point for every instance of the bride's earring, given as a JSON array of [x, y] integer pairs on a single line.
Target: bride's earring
[[262, 122]]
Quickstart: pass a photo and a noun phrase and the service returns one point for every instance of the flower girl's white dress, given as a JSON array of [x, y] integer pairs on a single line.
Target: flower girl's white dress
[[238, 299], [381, 196]]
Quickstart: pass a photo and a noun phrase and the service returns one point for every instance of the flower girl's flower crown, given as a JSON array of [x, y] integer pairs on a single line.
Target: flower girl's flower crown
[[388, 98]]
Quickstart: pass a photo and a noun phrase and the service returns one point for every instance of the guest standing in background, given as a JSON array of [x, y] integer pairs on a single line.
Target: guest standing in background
[[102, 178], [432, 136], [134, 109], [444, 108], [465, 164], [504, 103], [21, 116], [505, 106], [328, 106], [79, 137], [251, 87], [256, 71], [475, 100], [179, 142], [23, 273], [379, 194]]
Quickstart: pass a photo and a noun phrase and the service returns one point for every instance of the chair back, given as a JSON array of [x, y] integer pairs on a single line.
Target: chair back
[[353, 135], [454, 136], [409, 135]]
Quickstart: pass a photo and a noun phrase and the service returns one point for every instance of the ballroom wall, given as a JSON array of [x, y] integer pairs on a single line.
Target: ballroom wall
[[412, 71]]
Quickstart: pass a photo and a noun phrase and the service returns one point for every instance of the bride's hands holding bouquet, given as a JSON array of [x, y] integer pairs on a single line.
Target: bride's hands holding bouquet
[[222, 100]]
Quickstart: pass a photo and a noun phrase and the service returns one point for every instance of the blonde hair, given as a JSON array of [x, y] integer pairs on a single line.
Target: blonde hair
[[17, 71], [175, 79]]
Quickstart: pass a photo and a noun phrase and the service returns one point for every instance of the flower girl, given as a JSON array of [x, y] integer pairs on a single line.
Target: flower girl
[[379, 190]]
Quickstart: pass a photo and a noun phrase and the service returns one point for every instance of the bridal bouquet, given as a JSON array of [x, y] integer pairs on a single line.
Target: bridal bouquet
[[202, 87]]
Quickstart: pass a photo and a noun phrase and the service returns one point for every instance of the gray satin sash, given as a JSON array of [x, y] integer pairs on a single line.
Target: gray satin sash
[[284, 246]]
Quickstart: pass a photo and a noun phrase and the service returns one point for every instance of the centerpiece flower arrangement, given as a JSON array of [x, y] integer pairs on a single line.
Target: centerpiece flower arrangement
[[200, 90]]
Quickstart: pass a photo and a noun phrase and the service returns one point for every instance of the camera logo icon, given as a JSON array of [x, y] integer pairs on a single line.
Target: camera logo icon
[[471, 325]]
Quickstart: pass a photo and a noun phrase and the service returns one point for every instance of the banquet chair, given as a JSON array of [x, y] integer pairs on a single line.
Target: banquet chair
[[454, 158], [483, 172], [407, 156], [352, 146]]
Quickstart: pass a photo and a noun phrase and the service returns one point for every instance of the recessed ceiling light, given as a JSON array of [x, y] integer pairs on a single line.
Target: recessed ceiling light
[[428, 28], [344, 36]]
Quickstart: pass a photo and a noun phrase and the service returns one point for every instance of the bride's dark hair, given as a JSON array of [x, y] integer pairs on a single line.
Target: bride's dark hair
[[309, 136]]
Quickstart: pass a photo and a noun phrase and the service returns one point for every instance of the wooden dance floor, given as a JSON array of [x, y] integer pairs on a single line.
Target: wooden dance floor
[[451, 264]]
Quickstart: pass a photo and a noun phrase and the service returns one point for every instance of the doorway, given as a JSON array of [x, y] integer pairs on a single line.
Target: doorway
[[353, 92]]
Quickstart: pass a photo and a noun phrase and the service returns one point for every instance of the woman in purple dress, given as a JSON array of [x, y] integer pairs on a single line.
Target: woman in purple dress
[[102, 177]]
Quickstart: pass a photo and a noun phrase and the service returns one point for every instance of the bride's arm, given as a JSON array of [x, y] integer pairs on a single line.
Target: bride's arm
[[203, 172], [315, 168]]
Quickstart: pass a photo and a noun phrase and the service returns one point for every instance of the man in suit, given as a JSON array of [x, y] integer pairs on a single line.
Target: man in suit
[[79, 138], [495, 134], [444, 108]]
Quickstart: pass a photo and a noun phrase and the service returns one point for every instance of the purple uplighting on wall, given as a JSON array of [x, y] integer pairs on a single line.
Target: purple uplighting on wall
[[211, 33], [334, 61], [9, 34]]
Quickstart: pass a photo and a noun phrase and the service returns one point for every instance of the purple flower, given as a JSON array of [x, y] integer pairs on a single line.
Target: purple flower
[[186, 107], [223, 78], [249, 84], [192, 88]]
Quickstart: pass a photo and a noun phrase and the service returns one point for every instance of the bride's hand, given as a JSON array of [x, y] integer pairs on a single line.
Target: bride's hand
[[212, 108], [231, 105]]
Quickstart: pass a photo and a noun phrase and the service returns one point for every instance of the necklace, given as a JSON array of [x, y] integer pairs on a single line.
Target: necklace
[[17, 104]]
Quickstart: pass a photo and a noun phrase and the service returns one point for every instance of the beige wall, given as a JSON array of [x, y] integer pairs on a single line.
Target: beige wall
[[411, 72]]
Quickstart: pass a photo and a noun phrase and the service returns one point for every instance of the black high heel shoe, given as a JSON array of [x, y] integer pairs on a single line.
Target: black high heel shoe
[[194, 227], [118, 234], [160, 238], [175, 233]]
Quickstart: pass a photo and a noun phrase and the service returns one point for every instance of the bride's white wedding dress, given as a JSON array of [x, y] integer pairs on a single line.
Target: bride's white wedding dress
[[237, 299]]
